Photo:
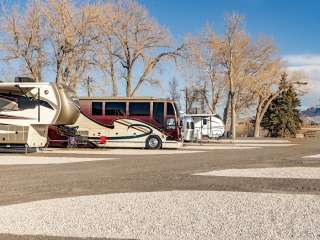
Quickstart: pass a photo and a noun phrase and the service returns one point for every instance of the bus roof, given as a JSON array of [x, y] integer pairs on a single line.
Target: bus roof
[[106, 98]]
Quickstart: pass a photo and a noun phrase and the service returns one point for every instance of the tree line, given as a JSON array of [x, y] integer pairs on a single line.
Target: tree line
[[121, 42]]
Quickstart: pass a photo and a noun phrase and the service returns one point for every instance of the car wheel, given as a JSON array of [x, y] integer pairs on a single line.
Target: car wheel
[[153, 142]]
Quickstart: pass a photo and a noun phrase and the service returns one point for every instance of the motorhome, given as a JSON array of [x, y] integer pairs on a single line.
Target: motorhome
[[207, 125], [27, 109], [144, 122]]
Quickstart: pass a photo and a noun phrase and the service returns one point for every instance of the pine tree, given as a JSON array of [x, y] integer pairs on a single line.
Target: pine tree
[[282, 117]]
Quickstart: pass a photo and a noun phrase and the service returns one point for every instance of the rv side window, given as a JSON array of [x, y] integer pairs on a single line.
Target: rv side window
[[139, 109], [158, 112], [96, 108], [204, 121], [170, 109], [115, 108]]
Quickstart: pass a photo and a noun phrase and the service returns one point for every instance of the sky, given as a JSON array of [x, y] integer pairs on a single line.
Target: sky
[[294, 26]]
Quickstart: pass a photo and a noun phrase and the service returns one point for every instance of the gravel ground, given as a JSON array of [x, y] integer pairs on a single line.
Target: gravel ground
[[217, 147], [313, 156], [169, 215], [266, 144], [248, 140], [120, 151], [27, 160], [284, 172]]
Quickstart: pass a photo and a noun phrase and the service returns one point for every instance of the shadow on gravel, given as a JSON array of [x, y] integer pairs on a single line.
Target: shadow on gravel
[[41, 237]]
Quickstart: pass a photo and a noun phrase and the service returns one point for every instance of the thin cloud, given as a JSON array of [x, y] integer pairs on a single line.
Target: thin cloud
[[309, 64], [312, 60]]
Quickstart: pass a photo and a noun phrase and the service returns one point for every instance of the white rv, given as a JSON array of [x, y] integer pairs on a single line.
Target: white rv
[[207, 125], [187, 128], [28, 108]]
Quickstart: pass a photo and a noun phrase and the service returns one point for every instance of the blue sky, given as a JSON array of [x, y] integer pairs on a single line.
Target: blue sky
[[293, 25]]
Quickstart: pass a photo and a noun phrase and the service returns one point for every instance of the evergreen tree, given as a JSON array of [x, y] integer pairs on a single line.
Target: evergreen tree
[[282, 117]]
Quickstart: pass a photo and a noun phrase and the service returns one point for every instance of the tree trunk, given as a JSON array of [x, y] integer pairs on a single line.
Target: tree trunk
[[233, 116], [226, 111], [114, 82], [261, 110], [258, 118], [257, 127], [128, 87], [112, 72]]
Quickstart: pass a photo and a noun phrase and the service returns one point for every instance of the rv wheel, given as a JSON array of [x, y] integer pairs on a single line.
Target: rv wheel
[[153, 142]]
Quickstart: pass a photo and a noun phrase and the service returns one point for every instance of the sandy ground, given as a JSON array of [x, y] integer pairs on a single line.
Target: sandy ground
[[312, 156], [217, 147], [271, 192], [28, 159], [283, 172], [169, 215], [261, 140], [118, 151]]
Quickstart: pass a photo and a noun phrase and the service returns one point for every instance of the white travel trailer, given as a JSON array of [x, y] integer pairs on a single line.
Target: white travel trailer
[[207, 125], [187, 128], [28, 108]]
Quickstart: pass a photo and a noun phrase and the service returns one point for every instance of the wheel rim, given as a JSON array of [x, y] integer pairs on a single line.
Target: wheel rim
[[153, 142]]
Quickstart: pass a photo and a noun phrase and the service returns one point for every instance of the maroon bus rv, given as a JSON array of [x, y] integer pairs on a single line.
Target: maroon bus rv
[[121, 122]]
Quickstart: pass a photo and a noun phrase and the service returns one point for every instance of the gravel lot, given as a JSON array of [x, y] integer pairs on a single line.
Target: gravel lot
[[169, 215], [28, 159], [283, 172], [145, 195], [119, 151]]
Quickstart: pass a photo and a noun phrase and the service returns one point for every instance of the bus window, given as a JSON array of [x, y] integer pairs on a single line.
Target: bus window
[[139, 109], [171, 123], [158, 112], [96, 108], [170, 109], [115, 108]]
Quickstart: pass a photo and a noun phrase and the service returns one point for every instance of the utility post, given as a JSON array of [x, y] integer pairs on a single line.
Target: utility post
[[185, 90], [186, 96], [89, 82]]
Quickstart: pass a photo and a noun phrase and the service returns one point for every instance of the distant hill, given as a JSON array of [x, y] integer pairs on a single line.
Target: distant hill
[[311, 115]]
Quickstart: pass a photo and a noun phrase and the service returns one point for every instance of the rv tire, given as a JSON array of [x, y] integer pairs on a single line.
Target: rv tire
[[153, 142]]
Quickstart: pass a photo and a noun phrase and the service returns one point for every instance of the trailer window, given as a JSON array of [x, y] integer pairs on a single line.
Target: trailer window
[[205, 121], [190, 125], [96, 108], [115, 108], [139, 109], [158, 112], [170, 109]]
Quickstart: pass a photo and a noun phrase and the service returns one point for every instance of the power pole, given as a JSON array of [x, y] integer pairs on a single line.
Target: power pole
[[89, 81], [186, 96]]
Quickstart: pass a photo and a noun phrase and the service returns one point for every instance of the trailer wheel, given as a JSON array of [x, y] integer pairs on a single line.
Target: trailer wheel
[[153, 142]]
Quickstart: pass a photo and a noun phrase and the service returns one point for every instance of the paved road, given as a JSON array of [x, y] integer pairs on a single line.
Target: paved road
[[154, 173]]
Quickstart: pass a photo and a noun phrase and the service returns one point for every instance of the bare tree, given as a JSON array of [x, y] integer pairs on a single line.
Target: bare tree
[[202, 53], [269, 89], [107, 46], [69, 39], [143, 43], [174, 89], [235, 49], [22, 38]]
